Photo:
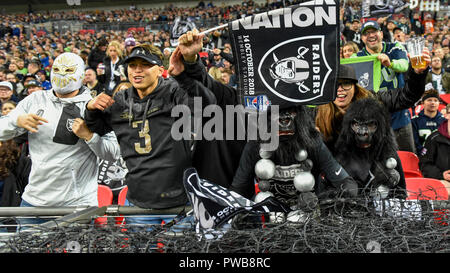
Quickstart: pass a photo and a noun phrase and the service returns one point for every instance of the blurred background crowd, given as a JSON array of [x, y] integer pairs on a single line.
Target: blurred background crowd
[[29, 42]]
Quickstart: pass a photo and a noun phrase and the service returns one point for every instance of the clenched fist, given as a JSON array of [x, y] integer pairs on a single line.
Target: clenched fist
[[80, 129], [190, 44], [384, 59], [100, 102]]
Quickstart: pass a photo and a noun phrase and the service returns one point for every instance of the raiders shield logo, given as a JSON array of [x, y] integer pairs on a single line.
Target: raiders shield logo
[[296, 70], [69, 124], [64, 133]]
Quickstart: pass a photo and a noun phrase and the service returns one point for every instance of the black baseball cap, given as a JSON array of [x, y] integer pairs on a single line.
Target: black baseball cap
[[347, 72], [33, 83], [143, 53], [397, 28]]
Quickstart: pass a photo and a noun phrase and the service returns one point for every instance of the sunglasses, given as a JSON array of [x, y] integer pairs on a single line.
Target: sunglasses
[[346, 85]]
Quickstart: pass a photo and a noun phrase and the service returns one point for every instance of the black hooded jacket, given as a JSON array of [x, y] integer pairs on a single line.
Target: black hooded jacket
[[216, 160], [155, 160]]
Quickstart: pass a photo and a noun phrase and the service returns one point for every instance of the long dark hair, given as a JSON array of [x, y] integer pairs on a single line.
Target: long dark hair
[[9, 154], [306, 136]]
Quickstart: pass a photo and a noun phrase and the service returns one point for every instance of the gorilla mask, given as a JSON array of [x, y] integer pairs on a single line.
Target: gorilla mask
[[286, 122], [364, 132]]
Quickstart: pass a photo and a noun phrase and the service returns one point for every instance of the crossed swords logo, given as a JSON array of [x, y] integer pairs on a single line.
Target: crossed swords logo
[[286, 69]]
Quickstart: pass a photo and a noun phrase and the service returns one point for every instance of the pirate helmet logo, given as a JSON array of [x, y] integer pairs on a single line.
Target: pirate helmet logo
[[291, 70], [69, 124], [296, 70]]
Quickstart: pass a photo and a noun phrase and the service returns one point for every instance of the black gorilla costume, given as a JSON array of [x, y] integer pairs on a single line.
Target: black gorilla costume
[[291, 172], [366, 148]]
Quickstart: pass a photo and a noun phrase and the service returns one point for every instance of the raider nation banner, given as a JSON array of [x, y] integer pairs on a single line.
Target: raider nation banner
[[367, 69], [287, 56]]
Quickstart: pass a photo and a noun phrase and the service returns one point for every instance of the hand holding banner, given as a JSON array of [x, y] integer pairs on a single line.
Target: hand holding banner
[[368, 71], [297, 65]]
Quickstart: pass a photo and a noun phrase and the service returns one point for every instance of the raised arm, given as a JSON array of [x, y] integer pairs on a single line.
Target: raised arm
[[190, 44], [97, 114], [403, 98]]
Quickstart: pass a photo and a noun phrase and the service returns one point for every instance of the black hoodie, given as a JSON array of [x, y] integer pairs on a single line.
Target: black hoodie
[[155, 160]]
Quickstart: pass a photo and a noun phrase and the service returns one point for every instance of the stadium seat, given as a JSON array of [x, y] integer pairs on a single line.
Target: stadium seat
[[410, 164], [122, 196], [105, 198], [445, 98], [105, 195], [121, 202], [421, 188], [203, 54]]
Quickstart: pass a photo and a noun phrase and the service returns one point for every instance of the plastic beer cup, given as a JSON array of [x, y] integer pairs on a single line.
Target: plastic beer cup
[[415, 47]]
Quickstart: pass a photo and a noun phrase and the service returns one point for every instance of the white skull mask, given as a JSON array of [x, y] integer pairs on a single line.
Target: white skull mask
[[67, 73]]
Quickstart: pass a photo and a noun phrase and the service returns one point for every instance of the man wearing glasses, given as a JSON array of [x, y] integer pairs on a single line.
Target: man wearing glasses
[[394, 62]]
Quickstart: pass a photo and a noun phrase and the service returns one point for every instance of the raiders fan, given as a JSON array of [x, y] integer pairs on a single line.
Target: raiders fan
[[293, 172], [63, 151], [141, 118], [91, 82]]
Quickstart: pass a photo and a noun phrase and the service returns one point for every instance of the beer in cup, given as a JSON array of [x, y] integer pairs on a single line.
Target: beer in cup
[[415, 47]]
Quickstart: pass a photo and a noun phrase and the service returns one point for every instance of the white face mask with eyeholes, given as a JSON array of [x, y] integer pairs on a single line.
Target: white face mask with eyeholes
[[67, 73]]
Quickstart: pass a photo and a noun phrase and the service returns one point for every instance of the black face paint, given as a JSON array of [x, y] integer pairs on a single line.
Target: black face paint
[[364, 131]]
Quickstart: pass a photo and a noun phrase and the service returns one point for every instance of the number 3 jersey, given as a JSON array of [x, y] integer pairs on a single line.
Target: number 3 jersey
[[155, 160]]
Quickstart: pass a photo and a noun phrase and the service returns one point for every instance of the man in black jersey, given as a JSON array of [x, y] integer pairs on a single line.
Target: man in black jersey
[[141, 118]]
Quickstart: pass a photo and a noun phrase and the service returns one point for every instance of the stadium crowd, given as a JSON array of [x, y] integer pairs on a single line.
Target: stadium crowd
[[27, 56]]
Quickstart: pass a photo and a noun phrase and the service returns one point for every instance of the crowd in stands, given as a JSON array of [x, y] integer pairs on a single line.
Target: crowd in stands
[[26, 58]]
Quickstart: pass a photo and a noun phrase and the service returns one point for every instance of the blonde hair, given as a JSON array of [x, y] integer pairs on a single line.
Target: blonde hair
[[353, 45], [118, 48], [215, 73]]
